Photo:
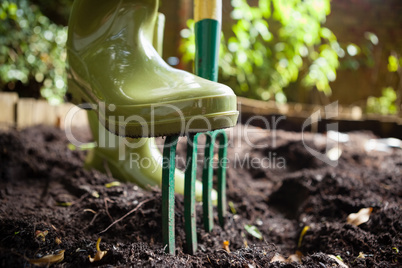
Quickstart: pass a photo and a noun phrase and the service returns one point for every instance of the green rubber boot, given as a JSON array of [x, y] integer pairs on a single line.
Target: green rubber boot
[[141, 165], [114, 67]]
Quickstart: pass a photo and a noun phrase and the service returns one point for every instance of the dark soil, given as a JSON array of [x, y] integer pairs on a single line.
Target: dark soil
[[44, 187]]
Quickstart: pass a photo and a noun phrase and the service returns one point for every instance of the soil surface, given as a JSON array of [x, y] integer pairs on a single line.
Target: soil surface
[[297, 203]]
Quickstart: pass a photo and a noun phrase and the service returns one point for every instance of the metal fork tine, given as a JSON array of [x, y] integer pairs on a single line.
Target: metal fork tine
[[208, 178], [168, 170], [207, 174], [189, 193], [223, 144]]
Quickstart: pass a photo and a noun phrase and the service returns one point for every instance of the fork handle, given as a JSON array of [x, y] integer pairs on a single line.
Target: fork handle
[[208, 20]]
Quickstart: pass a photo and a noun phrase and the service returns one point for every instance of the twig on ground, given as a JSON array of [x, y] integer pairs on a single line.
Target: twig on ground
[[82, 197], [92, 221], [106, 208], [127, 214]]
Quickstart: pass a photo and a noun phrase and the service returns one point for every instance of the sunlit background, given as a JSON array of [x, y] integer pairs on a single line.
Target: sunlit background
[[313, 52]]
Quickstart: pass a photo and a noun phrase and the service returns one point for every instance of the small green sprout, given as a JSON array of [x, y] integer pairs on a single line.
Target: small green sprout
[[232, 207], [95, 194], [339, 258], [251, 229], [112, 184], [64, 204], [83, 147], [71, 147]]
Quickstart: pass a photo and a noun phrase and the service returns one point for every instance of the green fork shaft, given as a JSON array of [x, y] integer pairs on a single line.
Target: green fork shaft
[[207, 28]]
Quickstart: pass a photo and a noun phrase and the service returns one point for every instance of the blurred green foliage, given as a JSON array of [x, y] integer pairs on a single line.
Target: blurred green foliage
[[387, 103], [274, 44], [361, 55], [384, 104], [32, 48], [58, 11], [394, 63]]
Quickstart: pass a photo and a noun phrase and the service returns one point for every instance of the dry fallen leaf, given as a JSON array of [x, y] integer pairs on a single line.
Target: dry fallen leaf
[[294, 258], [360, 217], [41, 235], [245, 243], [361, 255], [303, 232], [57, 241], [48, 259], [99, 254], [338, 261], [278, 257], [225, 246]]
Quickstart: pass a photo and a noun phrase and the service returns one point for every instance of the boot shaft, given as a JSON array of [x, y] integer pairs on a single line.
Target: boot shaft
[[113, 64], [93, 21], [115, 36]]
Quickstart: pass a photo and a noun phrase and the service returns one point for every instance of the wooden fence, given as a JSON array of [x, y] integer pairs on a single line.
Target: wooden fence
[[25, 112], [350, 118]]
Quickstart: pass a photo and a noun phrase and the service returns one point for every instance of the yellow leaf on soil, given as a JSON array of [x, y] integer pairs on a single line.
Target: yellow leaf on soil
[[225, 246], [99, 254], [303, 232], [48, 259]]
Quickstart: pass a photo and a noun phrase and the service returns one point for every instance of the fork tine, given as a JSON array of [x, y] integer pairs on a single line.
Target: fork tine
[[223, 143], [168, 170], [189, 193], [207, 174], [208, 178]]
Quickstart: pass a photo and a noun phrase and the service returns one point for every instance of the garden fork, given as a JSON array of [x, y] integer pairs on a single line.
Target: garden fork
[[208, 17]]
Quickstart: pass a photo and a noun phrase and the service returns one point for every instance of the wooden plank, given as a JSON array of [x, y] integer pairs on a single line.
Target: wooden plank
[[258, 107], [44, 113], [8, 102], [25, 115], [70, 111], [32, 112]]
